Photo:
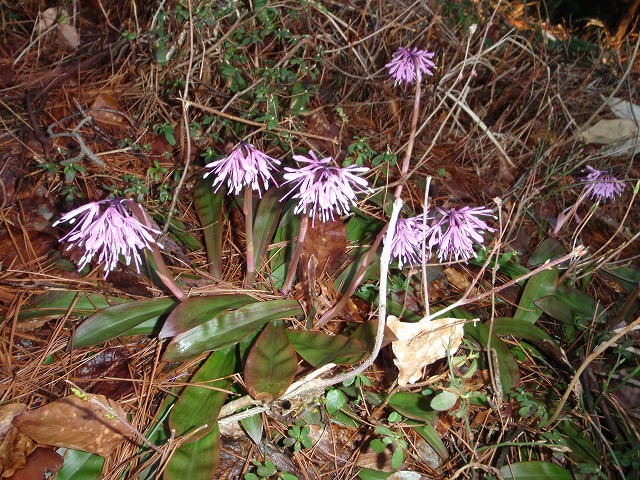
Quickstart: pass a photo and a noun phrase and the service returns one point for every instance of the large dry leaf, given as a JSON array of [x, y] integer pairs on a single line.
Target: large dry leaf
[[14, 446], [76, 423], [422, 343], [67, 36]]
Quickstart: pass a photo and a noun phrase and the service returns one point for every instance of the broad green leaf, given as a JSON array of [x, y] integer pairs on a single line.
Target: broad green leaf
[[444, 401], [79, 464], [547, 250], [555, 308], [200, 402], [197, 310], [412, 405], [509, 375], [535, 471], [228, 328], [114, 321], [319, 348], [540, 285], [580, 303], [345, 278], [526, 331], [627, 277], [265, 224], [195, 460], [59, 303], [576, 438], [429, 433], [209, 209], [271, 364]]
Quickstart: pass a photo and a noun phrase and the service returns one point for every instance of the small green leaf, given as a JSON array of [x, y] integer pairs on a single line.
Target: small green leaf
[[429, 433], [370, 474], [397, 458], [444, 401], [114, 321], [254, 427], [377, 445], [412, 405], [336, 400]]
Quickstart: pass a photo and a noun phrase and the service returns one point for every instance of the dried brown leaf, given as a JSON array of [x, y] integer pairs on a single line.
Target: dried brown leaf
[[104, 110], [76, 423], [422, 343], [41, 464], [14, 448]]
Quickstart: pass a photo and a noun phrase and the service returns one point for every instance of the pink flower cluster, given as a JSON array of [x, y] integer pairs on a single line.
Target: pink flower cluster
[[451, 235], [110, 234]]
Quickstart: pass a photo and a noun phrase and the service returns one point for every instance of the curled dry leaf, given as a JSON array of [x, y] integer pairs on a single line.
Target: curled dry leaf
[[422, 343], [76, 423], [104, 110], [14, 446]]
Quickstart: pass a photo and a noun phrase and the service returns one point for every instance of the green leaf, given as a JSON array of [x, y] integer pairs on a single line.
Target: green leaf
[[370, 474], [200, 402], [228, 328], [58, 303], [509, 374], [397, 458], [254, 427], [114, 321], [209, 209], [547, 250], [540, 285], [197, 310], [580, 303], [412, 405], [78, 464], [181, 232], [271, 365], [535, 471], [195, 460], [444, 401], [265, 224], [429, 433], [299, 98], [336, 400], [555, 308]]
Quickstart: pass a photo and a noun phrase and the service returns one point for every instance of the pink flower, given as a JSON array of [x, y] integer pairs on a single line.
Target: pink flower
[[601, 185], [408, 240], [109, 233], [245, 166], [323, 188], [456, 231], [406, 61]]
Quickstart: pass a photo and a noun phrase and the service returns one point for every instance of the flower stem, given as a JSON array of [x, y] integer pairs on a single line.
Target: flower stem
[[162, 271], [412, 135], [297, 253], [248, 226]]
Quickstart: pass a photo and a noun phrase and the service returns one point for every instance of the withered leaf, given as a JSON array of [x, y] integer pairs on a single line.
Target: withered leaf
[[422, 343], [41, 464], [76, 423], [14, 446], [327, 241], [104, 110]]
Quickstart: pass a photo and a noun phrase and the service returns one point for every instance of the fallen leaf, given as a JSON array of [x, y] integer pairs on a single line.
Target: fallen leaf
[[76, 423], [608, 132], [14, 448], [7, 412], [327, 241], [104, 110], [42, 463], [422, 343]]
